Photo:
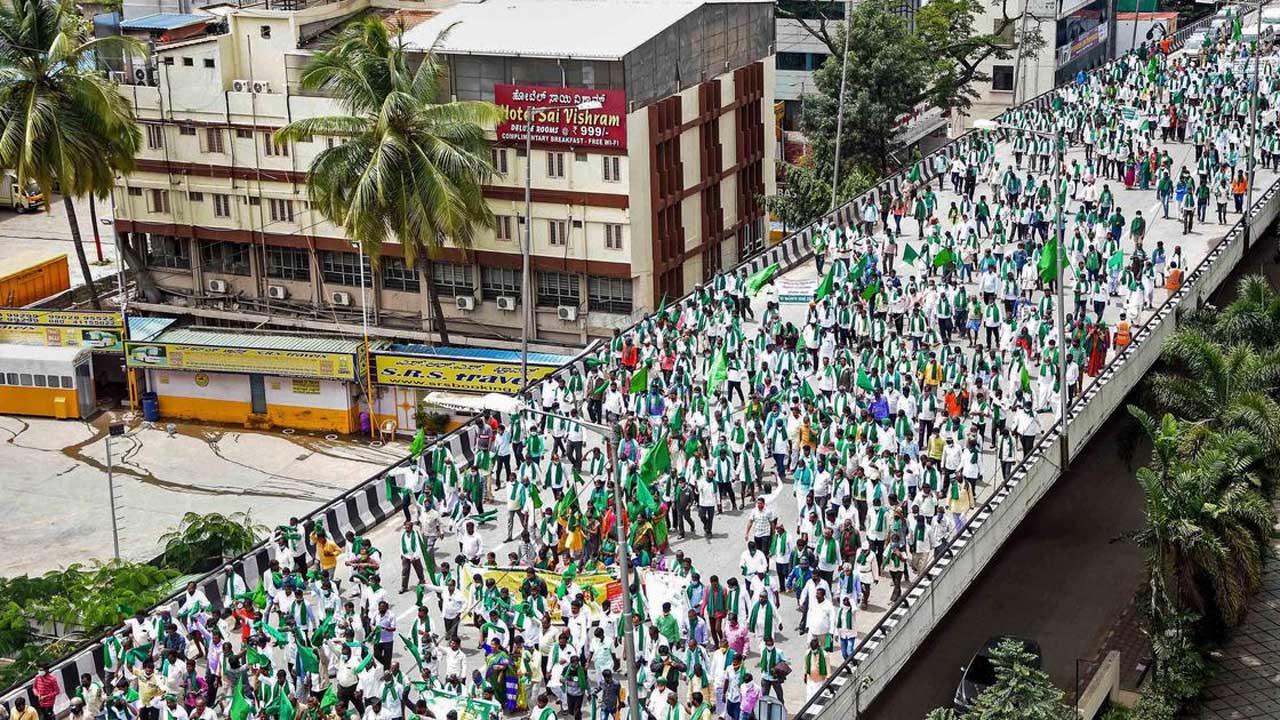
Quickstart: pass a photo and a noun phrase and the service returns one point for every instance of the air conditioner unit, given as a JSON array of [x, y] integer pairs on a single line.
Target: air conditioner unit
[[277, 292], [466, 303], [118, 76], [240, 85], [218, 286], [340, 298], [261, 86], [140, 75], [568, 313], [507, 303]]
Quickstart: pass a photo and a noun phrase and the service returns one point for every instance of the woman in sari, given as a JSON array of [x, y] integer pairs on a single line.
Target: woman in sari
[[498, 675]]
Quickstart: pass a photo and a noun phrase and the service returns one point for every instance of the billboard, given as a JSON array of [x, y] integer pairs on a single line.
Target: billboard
[[443, 373], [584, 130], [102, 331], [208, 358]]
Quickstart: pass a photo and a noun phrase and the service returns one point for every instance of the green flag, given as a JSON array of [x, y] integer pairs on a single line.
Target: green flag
[[308, 659], [1048, 272], [827, 284], [413, 650], [240, 707], [284, 706], [909, 254], [368, 658], [946, 257], [806, 390], [640, 380], [677, 419], [718, 373], [644, 496], [860, 269], [330, 697], [1116, 263], [419, 442], [1026, 379], [323, 631], [253, 657], [273, 632], [870, 291], [1237, 29], [595, 362], [758, 280], [864, 380], [656, 461]]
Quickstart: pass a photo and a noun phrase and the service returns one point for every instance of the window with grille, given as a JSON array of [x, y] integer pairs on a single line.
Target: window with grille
[[271, 148], [244, 134], [135, 191], [155, 136], [504, 228], [557, 288], [499, 157], [281, 210], [221, 206], [452, 279], [612, 168], [558, 232], [499, 282], [195, 197], [343, 268], [613, 236], [286, 263], [396, 275], [555, 165], [189, 130], [611, 295], [213, 140], [224, 257], [165, 251], [158, 201]]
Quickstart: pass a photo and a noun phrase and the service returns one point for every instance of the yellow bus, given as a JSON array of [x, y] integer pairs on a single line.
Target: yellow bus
[[48, 381]]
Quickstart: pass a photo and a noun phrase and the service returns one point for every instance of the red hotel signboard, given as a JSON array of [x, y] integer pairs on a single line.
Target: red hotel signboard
[[603, 129]]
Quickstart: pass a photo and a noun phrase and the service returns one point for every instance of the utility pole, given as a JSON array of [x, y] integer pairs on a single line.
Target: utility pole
[[116, 429]]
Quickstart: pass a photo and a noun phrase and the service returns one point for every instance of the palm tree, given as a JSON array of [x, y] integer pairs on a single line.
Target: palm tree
[[1229, 387], [410, 169], [1206, 522], [61, 120], [1253, 317]]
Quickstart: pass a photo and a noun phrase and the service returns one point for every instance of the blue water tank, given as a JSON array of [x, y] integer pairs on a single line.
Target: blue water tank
[[150, 407]]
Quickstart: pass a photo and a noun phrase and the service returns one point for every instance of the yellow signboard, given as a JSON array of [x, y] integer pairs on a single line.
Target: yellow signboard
[[71, 318], [289, 363], [59, 328], [441, 373], [601, 586]]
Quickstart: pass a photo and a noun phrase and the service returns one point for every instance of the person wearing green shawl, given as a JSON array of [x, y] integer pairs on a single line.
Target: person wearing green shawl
[[816, 670]]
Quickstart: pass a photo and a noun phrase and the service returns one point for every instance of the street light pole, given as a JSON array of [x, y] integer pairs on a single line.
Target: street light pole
[[114, 430], [624, 574], [1253, 131], [844, 75], [526, 306]]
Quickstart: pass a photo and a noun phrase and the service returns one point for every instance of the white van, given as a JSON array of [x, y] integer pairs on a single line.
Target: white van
[[18, 196]]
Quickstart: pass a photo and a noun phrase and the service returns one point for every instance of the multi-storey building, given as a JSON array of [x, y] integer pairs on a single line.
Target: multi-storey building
[[644, 197]]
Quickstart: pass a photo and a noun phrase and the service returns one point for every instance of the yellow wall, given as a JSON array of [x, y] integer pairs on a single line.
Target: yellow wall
[[36, 401], [237, 413]]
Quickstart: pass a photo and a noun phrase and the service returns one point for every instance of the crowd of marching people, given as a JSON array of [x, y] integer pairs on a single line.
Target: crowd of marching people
[[922, 371]]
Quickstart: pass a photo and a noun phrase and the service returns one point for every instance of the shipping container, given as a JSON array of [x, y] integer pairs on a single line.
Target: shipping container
[[31, 276]]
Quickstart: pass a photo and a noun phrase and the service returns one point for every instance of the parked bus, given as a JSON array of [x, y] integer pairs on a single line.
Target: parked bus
[[48, 381]]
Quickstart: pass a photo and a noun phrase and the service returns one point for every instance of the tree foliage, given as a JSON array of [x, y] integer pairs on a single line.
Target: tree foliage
[[61, 120], [1021, 691], [949, 28], [409, 170], [200, 542]]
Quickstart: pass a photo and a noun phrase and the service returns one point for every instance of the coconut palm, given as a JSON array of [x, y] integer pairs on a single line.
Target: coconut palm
[[1206, 522], [410, 169], [61, 120]]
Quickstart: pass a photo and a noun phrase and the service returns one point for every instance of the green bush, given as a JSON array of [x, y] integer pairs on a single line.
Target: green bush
[[202, 542]]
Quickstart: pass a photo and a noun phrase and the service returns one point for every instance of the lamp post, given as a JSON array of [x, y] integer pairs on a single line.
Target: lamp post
[[116, 429], [364, 329], [844, 74], [1059, 300], [512, 405], [526, 307], [1253, 130]]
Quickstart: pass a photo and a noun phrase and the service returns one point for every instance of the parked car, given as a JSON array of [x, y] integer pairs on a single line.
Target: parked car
[[980, 673]]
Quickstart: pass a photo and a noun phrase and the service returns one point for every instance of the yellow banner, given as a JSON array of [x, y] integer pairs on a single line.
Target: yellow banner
[[603, 585], [57, 336], [439, 373], [289, 363], [70, 318]]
